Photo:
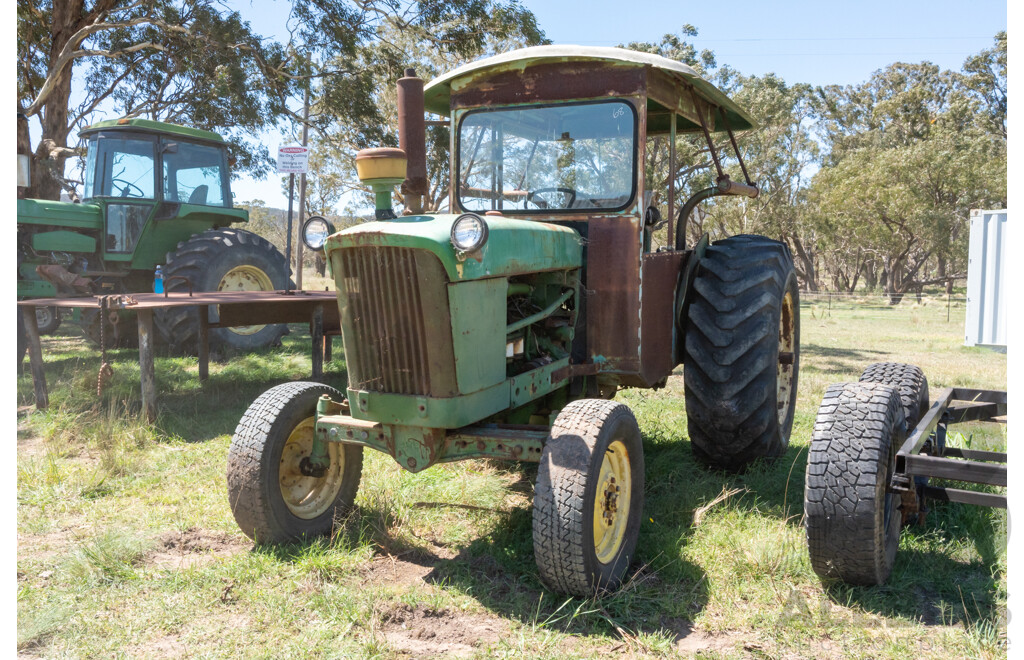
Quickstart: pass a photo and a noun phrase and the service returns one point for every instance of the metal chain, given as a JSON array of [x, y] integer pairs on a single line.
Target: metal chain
[[106, 371]]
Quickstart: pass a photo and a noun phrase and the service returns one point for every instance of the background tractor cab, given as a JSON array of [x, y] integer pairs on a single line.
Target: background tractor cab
[[503, 328], [154, 194]]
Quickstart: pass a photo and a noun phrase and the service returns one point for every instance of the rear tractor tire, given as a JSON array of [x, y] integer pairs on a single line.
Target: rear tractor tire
[[588, 503], [272, 495], [853, 519], [223, 259], [742, 352]]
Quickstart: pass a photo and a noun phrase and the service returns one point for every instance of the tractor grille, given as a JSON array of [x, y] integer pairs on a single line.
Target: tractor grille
[[381, 294]]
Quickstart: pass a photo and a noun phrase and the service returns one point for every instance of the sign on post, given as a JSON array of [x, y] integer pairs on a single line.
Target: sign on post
[[293, 160]]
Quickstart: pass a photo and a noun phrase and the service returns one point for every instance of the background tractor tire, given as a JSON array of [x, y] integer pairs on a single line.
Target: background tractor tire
[[853, 521], [588, 502], [223, 259], [47, 320], [909, 381], [272, 500], [125, 335], [742, 352]]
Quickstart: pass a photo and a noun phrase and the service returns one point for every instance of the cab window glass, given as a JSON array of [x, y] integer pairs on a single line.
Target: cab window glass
[[194, 174], [123, 168], [548, 158]]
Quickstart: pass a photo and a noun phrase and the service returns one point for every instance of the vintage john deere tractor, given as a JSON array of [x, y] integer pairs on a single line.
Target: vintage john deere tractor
[[504, 328], [155, 194]]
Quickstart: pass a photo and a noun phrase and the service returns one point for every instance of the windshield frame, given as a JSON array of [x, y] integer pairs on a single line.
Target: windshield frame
[[629, 102]]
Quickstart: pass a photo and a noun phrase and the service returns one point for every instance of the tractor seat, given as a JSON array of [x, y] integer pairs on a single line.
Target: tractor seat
[[198, 195]]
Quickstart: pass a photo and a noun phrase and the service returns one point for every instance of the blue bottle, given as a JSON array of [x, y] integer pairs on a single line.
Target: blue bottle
[[158, 280]]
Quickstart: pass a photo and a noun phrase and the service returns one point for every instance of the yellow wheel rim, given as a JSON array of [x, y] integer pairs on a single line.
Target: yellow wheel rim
[[787, 356], [246, 278], [308, 497], [611, 504]]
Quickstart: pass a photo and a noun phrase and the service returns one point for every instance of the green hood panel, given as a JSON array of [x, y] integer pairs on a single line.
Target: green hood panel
[[513, 246], [59, 214]]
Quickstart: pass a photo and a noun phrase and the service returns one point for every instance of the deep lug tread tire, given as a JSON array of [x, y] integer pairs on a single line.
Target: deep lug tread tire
[[732, 352], [126, 335], [566, 494], [852, 527], [909, 380], [254, 490], [204, 259]]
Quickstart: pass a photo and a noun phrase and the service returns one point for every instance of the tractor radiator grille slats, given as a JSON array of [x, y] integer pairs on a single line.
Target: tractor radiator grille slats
[[382, 287]]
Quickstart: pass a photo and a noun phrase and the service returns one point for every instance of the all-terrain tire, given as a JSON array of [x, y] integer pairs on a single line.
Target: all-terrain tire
[[47, 320], [266, 450], [590, 441], [853, 521], [742, 352], [206, 259], [911, 383]]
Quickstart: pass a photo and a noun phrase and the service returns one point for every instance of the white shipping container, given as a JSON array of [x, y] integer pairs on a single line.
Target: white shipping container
[[986, 280]]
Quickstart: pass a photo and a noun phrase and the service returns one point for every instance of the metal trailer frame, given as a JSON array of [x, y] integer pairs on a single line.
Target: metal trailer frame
[[925, 454]]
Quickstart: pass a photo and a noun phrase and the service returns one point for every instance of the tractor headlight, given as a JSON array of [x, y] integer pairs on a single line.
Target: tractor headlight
[[315, 232], [469, 232]]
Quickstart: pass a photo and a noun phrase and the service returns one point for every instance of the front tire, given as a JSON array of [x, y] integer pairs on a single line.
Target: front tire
[[223, 259], [589, 498], [742, 352], [47, 320], [272, 499], [853, 520]]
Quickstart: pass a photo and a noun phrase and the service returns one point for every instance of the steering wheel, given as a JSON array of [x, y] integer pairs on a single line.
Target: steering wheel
[[541, 204], [126, 186]]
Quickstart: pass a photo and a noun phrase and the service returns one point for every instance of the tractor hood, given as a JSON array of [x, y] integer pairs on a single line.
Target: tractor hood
[[513, 246], [59, 214]]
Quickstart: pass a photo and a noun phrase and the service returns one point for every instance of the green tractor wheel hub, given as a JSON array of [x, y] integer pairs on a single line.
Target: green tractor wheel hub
[[246, 278]]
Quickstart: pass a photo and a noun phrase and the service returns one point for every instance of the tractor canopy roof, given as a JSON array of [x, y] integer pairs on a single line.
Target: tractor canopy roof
[[438, 92], [150, 126]]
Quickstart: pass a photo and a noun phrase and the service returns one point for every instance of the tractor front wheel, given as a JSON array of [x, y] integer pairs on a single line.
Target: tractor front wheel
[[47, 320], [223, 259], [274, 494], [589, 495]]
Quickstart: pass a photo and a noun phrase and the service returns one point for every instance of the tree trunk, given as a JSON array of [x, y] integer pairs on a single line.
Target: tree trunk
[[24, 144], [48, 164], [942, 275]]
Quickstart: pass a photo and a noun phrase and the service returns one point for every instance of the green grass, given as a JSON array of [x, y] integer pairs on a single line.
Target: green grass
[[127, 546]]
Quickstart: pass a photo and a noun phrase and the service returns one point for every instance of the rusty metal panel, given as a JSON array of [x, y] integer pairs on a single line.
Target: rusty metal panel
[[548, 82], [287, 311], [613, 292], [659, 278]]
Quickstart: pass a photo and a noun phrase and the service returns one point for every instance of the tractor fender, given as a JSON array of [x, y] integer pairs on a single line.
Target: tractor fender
[[684, 293]]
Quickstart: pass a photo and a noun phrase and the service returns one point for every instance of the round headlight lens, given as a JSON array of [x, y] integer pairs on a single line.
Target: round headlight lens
[[315, 232], [469, 232]]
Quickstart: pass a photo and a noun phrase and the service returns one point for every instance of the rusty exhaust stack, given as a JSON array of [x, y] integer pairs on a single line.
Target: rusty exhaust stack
[[412, 139]]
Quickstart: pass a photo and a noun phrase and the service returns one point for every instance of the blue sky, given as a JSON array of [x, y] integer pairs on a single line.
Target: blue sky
[[813, 42]]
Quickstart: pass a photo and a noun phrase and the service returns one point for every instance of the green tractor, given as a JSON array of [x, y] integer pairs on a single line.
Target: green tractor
[[503, 329], [155, 194]]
